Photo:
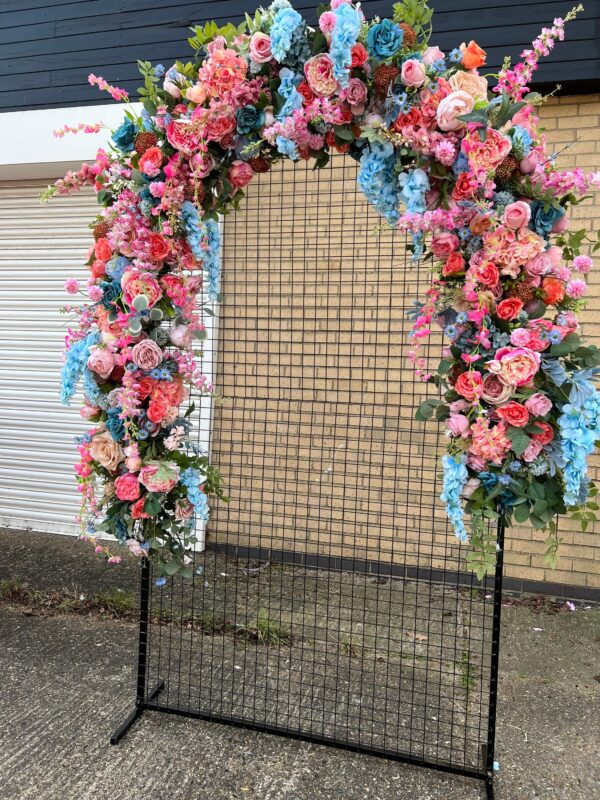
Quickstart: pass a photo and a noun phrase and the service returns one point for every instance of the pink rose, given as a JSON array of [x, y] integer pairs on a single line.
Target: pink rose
[[458, 425], [127, 487], [517, 215], [151, 162], [135, 283], [181, 336], [431, 55], [147, 355], [135, 548], [87, 412], [538, 266], [451, 107], [101, 361], [356, 95], [240, 174], [319, 75], [260, 48], [413, 73], [159, 476], [443, 244], [532, 452], [538, 404], [471, 487], [202, 164]]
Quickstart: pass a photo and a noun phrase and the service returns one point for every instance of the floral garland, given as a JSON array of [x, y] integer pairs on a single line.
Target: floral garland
[[463, 168]]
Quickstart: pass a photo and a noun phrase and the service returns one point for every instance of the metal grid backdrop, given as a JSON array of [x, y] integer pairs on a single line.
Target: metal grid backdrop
[[331, 602]]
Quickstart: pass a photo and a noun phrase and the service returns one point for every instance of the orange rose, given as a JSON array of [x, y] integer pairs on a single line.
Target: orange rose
[[455, 265], [103, 250], [553, 291], [473, 55]]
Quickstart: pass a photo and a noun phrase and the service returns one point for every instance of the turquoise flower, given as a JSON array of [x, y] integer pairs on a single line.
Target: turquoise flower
[[384, 39], [124, 136]]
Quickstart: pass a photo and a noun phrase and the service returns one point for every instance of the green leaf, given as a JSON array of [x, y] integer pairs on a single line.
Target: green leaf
[[520, 440], [521, 512], [569, 344]]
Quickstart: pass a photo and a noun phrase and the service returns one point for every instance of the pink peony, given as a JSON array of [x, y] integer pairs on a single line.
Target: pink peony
[[159, 476], [489, 154], [516, 365], [182, 136], [147, 355], [260, 48], [319, 75], [413, 73], [101, 361], [135, 283], [240, 174], [451, 107], [127, 487], [517, 215]]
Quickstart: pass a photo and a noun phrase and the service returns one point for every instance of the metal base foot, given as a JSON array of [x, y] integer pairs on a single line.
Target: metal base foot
[[135, 714], [489, 789]]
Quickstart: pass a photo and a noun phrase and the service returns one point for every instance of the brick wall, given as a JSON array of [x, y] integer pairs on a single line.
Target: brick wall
[[317, 440]]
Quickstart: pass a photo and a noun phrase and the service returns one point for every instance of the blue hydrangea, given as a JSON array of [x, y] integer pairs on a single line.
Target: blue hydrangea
[[580, 429], [289, 92], [456, 475], [284, 25], [343, 38], [192, 481], [384, 39], [212, 259], [377, 180], [415, 185], [287, 147], [74, 366]]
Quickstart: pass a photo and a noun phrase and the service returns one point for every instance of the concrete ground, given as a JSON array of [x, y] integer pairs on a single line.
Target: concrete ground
[[67, 682]]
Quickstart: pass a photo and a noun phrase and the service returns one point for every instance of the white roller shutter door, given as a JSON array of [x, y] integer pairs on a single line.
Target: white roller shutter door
[[40, 247]]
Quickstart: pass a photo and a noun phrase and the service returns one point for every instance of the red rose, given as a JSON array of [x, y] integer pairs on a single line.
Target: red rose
[[469, 385], [465, 187], [151, 162], [455, 265], [554, 291], [514, 414], [546, 435], [158, 409], [137, 509], [486, 274], [306, 92], [103, 250], [360, 55], [159, 247], [510, 308]]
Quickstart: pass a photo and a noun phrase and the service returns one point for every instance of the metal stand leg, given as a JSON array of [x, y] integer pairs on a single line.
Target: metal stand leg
[[142, 699], [489, 788]]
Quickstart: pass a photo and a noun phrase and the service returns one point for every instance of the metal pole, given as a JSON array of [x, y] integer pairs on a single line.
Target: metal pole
[[495, 660], [143, 632]]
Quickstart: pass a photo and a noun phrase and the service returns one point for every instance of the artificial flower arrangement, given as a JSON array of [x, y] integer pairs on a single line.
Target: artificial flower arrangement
[[461, 166]]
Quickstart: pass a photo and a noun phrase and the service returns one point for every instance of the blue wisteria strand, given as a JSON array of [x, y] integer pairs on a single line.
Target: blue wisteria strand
[[580, 430], [455, 479]]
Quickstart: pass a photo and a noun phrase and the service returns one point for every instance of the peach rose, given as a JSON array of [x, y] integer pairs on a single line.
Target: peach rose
[[102, 249], [514, 414], [413, 73], [451, 107], [473, 55], [106, 451], [196, 93], [101, 361], [470, 82], [510, 308]]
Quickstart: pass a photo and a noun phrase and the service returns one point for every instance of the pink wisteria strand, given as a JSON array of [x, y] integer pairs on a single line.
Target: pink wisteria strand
[[461, 167]]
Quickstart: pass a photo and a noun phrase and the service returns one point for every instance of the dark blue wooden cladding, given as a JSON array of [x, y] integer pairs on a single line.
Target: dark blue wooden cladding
[[47, 49]]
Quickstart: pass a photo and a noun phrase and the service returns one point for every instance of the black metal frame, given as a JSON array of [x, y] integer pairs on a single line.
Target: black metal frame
[[148, 700], [431, 583]]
